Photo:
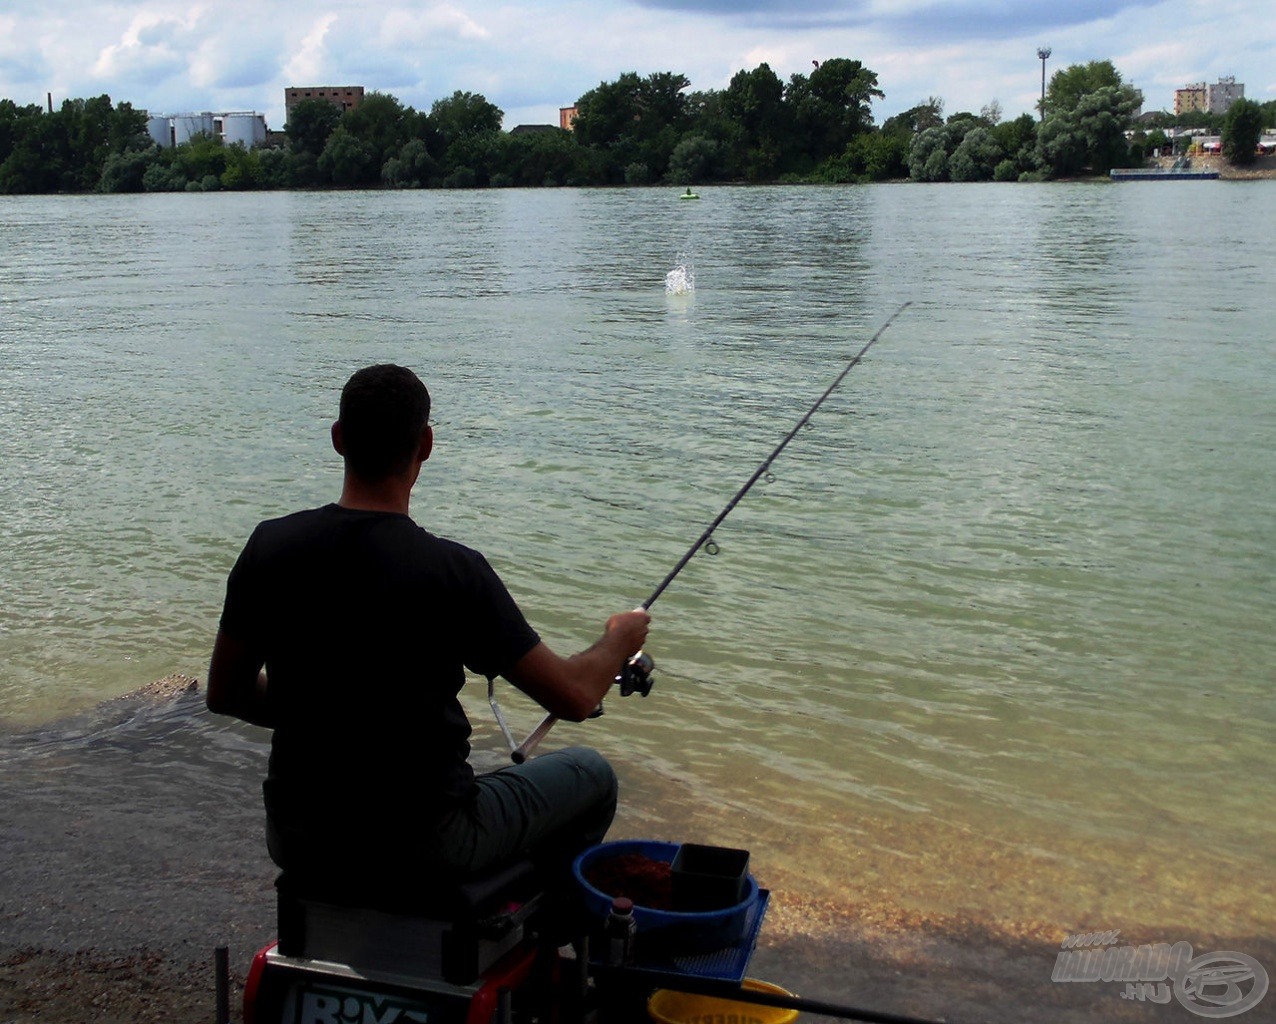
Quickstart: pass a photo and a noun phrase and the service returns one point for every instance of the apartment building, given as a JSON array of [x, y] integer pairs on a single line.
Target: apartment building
[[1215, 99]]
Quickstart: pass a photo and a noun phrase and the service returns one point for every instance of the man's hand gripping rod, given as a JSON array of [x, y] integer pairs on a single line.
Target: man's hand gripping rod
[[635, 674], [635, 677]]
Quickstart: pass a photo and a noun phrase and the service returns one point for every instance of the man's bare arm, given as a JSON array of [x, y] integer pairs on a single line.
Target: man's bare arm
[[236, 682], [570, 688]]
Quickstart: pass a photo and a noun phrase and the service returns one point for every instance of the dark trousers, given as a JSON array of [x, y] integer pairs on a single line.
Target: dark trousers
[[549, 809]]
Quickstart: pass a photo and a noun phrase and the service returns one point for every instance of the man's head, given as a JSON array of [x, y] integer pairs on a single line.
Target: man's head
[[381, 429]]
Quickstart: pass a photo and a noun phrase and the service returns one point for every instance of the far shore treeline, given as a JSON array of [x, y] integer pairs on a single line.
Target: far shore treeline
[[637, 130]]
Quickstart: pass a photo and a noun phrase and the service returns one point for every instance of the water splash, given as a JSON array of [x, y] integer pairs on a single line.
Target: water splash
[[682, 279]]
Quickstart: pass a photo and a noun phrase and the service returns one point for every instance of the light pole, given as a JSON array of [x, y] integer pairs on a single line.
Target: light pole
[[1043, 52]]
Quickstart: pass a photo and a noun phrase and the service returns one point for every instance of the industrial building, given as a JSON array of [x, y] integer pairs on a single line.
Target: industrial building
[[344, 97], [244, 127]]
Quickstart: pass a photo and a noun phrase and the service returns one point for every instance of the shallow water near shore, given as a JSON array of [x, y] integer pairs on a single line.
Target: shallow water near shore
[[993, 648]]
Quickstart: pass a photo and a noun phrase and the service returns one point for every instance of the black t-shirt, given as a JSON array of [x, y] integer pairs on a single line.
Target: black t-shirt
[[366, 623]]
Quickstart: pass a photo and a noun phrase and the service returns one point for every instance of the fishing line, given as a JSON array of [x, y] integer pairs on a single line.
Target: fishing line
[[764, 470], [635, 676]]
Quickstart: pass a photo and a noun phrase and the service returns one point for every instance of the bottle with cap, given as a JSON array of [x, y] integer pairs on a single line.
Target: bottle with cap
[[620, 931]]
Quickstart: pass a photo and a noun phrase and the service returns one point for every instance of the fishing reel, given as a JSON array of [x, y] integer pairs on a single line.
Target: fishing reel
[[635, 676]]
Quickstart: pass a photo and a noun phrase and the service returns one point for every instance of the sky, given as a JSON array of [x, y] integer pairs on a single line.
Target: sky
[[531, 57]]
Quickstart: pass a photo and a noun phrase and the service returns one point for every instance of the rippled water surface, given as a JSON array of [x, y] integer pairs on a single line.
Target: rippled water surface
[[996, 643]]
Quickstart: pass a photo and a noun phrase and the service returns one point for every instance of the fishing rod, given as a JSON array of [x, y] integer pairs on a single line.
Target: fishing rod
[[635, 675]]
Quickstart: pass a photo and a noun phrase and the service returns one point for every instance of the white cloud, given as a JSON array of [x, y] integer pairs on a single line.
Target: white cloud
[[433, 26], [153, 44], [308, 63]]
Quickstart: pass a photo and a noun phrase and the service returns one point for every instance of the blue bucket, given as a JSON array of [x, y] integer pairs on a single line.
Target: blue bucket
[[673, 930]]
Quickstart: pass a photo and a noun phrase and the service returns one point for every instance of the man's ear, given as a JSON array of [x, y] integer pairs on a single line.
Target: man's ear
[[338, 443], [427, 442]]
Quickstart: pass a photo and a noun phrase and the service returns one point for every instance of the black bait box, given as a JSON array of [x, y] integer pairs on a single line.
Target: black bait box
[[709, 877]]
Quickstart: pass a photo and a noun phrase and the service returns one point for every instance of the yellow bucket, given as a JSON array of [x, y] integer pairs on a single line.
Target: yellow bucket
[[668, 1007]]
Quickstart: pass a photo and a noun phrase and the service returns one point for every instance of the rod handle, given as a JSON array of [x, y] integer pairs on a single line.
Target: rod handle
[[524, 750]]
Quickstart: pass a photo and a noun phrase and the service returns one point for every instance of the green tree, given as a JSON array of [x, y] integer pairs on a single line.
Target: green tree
[[274, 168], [243, 168], [928, 155], [383, 126], [870, 156], [414, 167], [1091, 136], [473, 159], [831, 106], [464, 113], [976, 156], [885, 156], [753, 104], [639, 174], [462, 176], [24, 172], [916, 119], [1211, 123], [694, 159], [126, 171], [1006, 171], [11, 129], [127, 131], [545, 158], [707, 118], [1068, 85], [452, 128], [310, 122], [303, 169], [1018, 141], [605, 114], [1242, 128], [51, 143], [634, 123], [931, 153], [87, 125], [1138, 147], [661, 101], [161, 175], [23, 166], [79, 139], [203, 157], [348, 160]]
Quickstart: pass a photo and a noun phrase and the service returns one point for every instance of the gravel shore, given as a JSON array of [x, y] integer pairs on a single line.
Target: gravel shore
[[130, 846]]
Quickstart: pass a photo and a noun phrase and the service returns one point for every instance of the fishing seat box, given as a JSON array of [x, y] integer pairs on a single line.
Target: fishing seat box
[[453, 930]]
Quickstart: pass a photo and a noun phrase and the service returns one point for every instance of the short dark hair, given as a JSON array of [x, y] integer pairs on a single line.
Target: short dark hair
[[384, 408]]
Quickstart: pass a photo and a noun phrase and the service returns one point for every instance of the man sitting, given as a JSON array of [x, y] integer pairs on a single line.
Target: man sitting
[[347, 630]]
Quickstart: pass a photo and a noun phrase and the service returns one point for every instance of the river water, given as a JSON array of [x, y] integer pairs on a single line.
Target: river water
[[995, 645]]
